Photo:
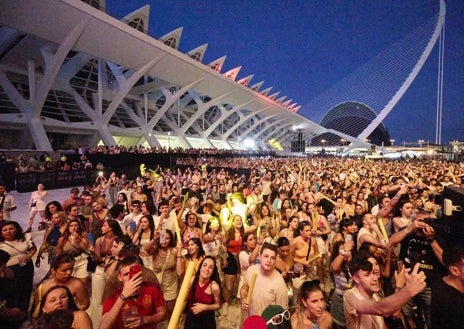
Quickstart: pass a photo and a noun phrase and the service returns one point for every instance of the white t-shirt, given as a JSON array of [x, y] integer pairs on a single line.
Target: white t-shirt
[[268, 290]]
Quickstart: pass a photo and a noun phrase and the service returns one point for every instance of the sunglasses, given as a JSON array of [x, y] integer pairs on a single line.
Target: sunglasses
[[279, 318]]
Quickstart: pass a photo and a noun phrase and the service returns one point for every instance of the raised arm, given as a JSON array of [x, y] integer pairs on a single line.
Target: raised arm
[[415, 283]]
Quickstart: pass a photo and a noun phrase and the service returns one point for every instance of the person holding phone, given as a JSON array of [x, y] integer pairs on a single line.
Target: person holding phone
[[139, 304], [340, 259], [421, 244]]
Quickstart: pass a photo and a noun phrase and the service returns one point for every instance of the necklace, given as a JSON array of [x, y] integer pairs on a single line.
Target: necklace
[[314, 321]]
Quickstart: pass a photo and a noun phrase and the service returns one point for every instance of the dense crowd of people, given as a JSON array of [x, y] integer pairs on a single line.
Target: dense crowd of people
[[294, 243]]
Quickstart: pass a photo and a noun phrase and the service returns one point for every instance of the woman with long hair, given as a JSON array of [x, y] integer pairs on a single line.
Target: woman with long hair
[[247, 257], [289, 232], [192, 229], [205, 296], [195, 253], [75, 242], [213, 240], [360, 199], [166, 267], [144, 238], [285, 212], [110, 231], [51, 208], [61, 271], [21, 248], [99, 215], [350, 204], [402, 214], [51, 237], [122, 200], [310, 311], [112, 185], [60, 298], [266, 221], [339, 260], [284, 260], [163, 194], [148, 208], [230, 266], [303, 213]]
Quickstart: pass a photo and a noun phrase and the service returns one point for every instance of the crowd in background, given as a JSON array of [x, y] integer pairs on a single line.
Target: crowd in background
[[320, 213]]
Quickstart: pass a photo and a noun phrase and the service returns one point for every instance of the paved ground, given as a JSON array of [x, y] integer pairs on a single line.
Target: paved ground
[[21, 215]]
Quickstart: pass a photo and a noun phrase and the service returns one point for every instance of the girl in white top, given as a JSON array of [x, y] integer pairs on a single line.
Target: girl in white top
[[404, 218], [37, 205]]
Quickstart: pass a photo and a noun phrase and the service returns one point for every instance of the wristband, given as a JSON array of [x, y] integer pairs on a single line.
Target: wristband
[[123, 298]]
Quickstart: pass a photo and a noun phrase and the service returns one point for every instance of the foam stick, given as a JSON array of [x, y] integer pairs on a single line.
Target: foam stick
[[315, 220], [182, 296], [314, 258], [251, 287], [327, 198], [382, 229]]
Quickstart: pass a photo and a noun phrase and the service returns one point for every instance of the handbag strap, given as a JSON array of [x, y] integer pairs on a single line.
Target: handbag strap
[[9, 245]]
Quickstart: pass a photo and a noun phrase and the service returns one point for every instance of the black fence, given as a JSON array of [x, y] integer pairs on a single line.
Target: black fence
[[27, 182], [127, 163]]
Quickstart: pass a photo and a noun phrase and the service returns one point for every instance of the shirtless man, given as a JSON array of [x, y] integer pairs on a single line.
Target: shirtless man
[[299, 248]]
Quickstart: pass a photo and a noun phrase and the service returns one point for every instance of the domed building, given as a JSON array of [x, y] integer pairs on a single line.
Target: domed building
[[350, 118]]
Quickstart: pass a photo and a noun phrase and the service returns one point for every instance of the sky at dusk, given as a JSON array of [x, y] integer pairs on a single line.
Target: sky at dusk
[[302, 48]]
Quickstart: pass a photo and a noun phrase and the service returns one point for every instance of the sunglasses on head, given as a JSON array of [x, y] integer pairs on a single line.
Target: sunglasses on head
[[309, 284], [279, 318]]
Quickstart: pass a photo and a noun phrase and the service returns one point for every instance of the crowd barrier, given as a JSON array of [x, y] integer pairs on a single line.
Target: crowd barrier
[[127, 163]]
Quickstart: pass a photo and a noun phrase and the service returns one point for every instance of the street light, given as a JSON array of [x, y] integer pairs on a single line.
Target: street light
[[343, 141], [323, 142], [392, 141], [420, 141]]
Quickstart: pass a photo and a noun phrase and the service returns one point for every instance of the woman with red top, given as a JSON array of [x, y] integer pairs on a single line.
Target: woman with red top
[[205, 296], [234, 241]]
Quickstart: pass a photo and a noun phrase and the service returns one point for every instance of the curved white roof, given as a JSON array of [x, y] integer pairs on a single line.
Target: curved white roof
[[67, 67]]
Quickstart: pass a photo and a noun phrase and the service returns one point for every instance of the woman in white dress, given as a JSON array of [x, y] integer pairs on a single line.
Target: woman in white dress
[[37, 205]]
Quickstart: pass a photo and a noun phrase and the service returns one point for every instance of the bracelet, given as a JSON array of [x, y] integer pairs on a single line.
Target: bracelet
[[406, 230], [123, 298], [178, 257]]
